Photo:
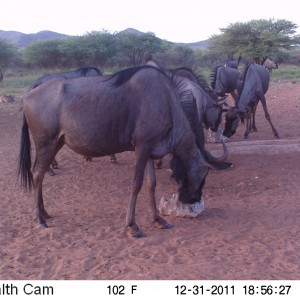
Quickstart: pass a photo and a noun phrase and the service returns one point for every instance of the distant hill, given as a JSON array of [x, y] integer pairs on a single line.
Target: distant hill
[[201, 44], [132, 31], [23, 40]]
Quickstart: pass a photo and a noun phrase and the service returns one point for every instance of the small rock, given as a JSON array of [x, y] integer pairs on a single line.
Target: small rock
[[172, 206]]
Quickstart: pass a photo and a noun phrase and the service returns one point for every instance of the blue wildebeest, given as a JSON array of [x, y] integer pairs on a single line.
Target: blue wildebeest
[[231, 63], [198, 102], [208, 107], [254, 86], [225, 80], [1, 76], [269, 64], [133, 110], [81, 72]]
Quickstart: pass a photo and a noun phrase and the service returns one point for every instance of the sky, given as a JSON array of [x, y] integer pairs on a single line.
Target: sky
[[185, 21]]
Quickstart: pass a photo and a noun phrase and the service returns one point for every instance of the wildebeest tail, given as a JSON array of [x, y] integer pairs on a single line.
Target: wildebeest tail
[[25, 157]]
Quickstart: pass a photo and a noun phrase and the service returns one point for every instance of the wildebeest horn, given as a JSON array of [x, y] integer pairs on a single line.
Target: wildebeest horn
[[222, 158]]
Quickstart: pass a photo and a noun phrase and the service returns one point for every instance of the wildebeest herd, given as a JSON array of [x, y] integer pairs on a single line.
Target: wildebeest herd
[[147, 109]]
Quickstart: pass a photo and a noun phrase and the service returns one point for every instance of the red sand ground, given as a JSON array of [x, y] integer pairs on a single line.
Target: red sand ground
[[248, 230]]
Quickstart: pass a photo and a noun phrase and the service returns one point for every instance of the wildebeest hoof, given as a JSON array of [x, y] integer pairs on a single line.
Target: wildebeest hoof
[[43, 226], [166, 226], [138, 234]]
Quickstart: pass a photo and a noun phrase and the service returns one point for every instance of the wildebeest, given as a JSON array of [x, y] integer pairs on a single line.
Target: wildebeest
[[225, 80], [231, 63], [208, 106], [1, 76], [133, 110], [208, 109], [253, 88], [81, 72], [269, 64]]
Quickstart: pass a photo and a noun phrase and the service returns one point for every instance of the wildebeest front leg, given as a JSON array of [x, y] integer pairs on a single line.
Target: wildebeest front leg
[[151, 185], [141, 158]]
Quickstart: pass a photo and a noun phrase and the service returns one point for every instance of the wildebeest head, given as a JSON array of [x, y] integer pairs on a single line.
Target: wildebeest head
[[186, 195], [213, 114], [231, 122]]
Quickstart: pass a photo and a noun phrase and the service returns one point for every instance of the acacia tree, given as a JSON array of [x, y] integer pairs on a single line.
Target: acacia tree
[[256, 38], [137, 47], [7, 53], [97, 47], [94, 48], [44, 54]]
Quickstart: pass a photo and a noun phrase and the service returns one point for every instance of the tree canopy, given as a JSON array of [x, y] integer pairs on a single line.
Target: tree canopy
[[7, 53], [256, 39], [136, 47]]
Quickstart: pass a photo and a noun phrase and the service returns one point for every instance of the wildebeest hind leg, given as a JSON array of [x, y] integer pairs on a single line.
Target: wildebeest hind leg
[[151, 185], [44, 156], [254, 128], [267, 115]]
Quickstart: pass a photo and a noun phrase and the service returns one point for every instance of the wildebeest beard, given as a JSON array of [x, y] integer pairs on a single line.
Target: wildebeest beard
[[180, 176]]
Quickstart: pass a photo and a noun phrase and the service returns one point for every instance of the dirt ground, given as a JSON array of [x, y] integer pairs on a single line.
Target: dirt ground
[[248, 230]]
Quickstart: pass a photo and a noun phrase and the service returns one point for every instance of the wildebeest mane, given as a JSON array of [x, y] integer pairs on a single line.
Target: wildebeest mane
[[83, 71], [200, 78], [189, 107], [243, 78], [180, 70], [213, 76], [205, 86], [119, 78]]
